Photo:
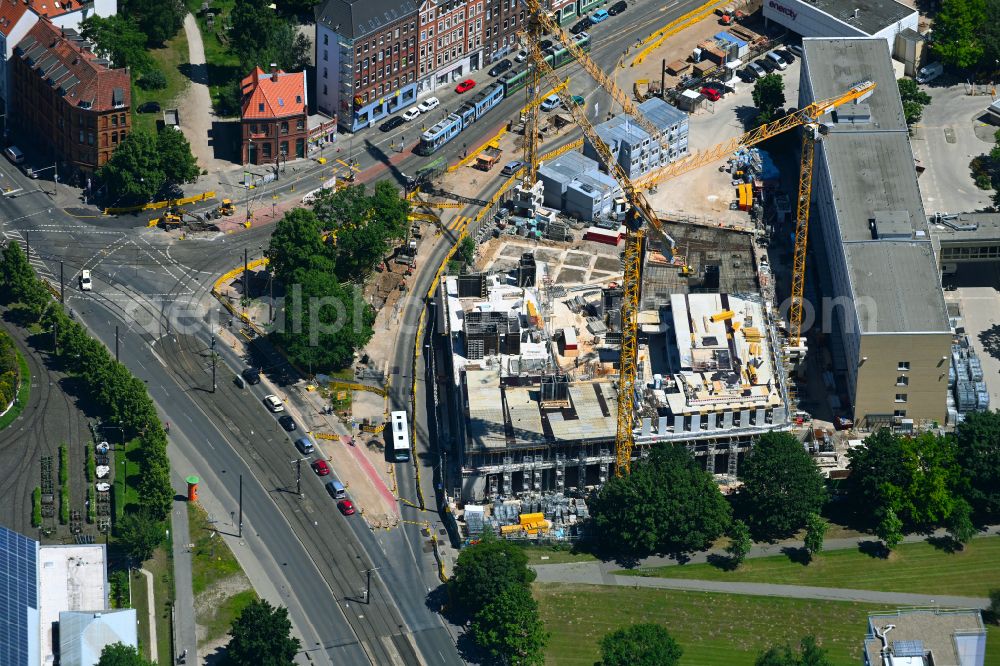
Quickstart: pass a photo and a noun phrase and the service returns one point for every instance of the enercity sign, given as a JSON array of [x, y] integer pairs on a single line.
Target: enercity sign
[[781, 9]]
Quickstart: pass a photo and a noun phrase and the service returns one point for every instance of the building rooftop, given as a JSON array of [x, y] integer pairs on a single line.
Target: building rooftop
[[84, 634], [358, 18], [69, 66], [624, 128], [882, 224], [19, 600], [925, 637], [869, 16], [53, 8], [275, 95], [967, 227], [11, 12], [567, 167], [71, 578]]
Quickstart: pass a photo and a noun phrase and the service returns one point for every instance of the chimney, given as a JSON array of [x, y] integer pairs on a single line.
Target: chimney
[[857, 13], [274, 72]]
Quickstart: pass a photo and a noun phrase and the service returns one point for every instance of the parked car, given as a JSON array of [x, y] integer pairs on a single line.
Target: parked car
[[391, 124], [711, 94], [465, 86], [766, 64], [429, 104], [14, 154], [786, 55], [796, 49], [544, 44], [304, 446], [747, 75], [578, 100], [500, 67], [251, 375], [778, 61], [550, 102], [723, 88], [320, 467], [521, 56], [581, 25], [617, 8], [757, 70], [599, 16], [411, 113], [288, 423], [512, 167], [86, 284], [274, 403], [346, 507], [149, 107], [930, 72]]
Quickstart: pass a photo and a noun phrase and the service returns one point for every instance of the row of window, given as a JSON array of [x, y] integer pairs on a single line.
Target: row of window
[[266, 149], [265, 128], [388, 35], [986, 252]]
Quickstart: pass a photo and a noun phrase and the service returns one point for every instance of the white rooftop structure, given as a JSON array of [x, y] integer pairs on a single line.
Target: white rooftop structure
[[83, 635], [71, 578]]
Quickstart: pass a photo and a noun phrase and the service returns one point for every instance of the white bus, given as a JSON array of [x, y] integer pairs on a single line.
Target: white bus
[[400, 437]]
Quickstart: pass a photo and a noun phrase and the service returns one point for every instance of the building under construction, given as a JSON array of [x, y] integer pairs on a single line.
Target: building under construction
[[536, 366]]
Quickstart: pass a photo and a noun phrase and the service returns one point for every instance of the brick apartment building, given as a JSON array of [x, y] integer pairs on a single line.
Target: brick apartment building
[[451, 41], [67, 99], [274, 117], [366, 59], [504, 18]]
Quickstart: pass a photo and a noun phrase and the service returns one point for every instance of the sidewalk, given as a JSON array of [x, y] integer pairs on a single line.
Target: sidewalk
[[185, 634], [593, 574]]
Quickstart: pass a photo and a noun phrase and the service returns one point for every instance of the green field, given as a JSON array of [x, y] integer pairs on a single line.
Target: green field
[[913, 567], [713, 629], [170, 60]]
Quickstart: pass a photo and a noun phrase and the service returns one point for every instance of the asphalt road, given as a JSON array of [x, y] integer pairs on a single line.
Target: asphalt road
[[154, 292]]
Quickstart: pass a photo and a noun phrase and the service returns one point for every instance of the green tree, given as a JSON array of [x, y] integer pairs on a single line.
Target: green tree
[[119, 654], [262, 636], [643, 644], [133, 174], [960, 526], [958, 30], [668, 503], [485, 569], [140, 534], [815, 533], [176, 161], [156, 496], [978, 444], [158, 20], [810, 654], [297, 247], [467, 250], [259, 37], [995, 605], [740, 542], [509, 629], [768, 97], [914, 99], [18, 277], [889, 529], [781, 486], [119, 39]]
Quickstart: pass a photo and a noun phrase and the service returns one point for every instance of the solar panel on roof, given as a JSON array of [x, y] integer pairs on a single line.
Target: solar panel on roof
[[908, 648], [19, 580]]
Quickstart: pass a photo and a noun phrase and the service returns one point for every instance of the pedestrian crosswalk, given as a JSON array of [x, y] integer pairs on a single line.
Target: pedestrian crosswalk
[[41, 268], [459, 222]]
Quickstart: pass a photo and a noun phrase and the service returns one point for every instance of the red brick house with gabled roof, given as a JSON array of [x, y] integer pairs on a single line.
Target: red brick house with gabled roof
[[67, 98], [274, 117]]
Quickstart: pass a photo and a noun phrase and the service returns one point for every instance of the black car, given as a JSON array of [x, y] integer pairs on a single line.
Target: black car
[[149, 107], [251, 375], [500, 68], [287, 422], [747, 75], [617, 8], [581, 25], [391, 124], [785, 55], [544, 44], [768, 65], [721, 87]]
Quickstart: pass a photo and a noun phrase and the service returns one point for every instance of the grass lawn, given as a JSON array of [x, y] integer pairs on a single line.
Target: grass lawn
[[913, 567], [221, 620], [170, 60], [23, 392], [554, 555], [161, 566], [713, 629], [130, 461], [223, 66], [211, 559]]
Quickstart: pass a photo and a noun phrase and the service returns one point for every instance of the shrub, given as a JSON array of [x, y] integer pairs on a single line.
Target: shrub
[[91, 463], [36, 507], [64, 505], [91, 505], [154, 79]]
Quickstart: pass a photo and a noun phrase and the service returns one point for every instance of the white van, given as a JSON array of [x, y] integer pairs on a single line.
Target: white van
[[777, 60], [14, 154], [86, 284], [550, 102], [930, 72]]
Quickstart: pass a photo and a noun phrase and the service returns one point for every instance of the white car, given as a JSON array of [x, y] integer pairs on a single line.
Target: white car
[[274, 403], [521, 56], [429, 104], [86, 284], [411, 113]]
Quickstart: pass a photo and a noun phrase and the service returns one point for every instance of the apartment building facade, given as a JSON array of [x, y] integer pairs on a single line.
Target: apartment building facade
[[274, 117], [366, 59], [451, 41], [67, 99]]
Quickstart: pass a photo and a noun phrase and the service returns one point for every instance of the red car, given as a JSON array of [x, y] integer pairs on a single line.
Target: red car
[[346, 507], [712, 94], [465, 86], [320, 467]]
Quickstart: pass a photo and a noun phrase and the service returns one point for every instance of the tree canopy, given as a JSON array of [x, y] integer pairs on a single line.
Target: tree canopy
[[176, 160], [916, 477], [978, 451], [484, 569], [262, 636], [143, 164], [119, 39], [119, 654], [666, 504], [297, 247], [159, 20], [643, 644], [810, 654], [958, 32], [768, 97], [140, 534], [815, 533], [914, 99], [740, 542], [781, 486], [259, 37], [509, 629]]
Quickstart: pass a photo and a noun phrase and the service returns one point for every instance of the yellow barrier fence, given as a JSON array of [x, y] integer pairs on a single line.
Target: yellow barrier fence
[[552, 154], [654, 41], [471, 157], [155, 205], [352, 386], [541, 98]]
